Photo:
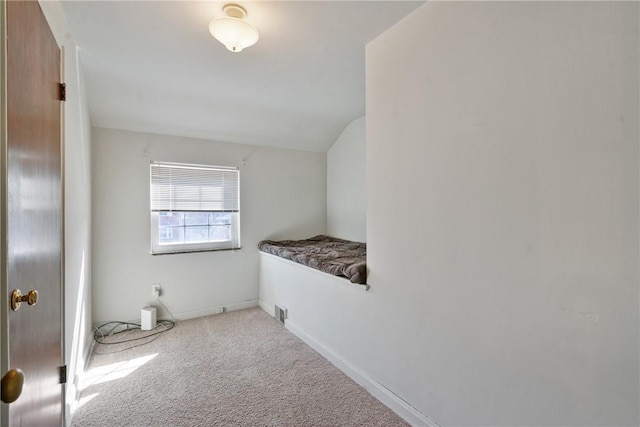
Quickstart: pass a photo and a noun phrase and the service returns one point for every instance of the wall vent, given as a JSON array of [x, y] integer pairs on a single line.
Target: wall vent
[[281, 313]]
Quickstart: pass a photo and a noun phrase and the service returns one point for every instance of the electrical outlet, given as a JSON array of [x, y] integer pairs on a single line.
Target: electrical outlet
[[155, 290], [219, 310]]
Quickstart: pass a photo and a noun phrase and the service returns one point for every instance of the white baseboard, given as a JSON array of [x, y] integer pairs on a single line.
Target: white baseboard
[[87, 359], [241, 305], [268, 308], [88, 354], [214, 310], [383, 394]]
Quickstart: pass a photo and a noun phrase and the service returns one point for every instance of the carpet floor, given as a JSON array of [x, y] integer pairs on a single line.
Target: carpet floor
[[241, 368]]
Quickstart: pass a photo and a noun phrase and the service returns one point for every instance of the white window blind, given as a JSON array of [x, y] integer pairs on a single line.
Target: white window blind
[[194, 208], [190, 188]]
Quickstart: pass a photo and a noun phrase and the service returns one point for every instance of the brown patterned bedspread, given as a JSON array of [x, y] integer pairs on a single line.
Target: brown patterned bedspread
[[329, 254]]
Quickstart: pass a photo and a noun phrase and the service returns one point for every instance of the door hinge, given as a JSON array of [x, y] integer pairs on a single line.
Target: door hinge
[[63, 91], [63, 374]]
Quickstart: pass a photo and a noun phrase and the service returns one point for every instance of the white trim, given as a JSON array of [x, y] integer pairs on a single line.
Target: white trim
[[379, 391], [268, 308], [77, 379], [87, 355], [215, 310], [194, 314]]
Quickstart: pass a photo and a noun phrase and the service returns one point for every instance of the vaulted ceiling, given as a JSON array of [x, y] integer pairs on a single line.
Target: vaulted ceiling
[[152, 66]]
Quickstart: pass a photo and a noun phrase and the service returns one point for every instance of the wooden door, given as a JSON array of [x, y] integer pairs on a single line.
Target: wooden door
[[33, 213]]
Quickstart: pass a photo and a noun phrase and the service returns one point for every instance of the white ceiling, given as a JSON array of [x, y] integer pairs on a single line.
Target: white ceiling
[[152, 66]]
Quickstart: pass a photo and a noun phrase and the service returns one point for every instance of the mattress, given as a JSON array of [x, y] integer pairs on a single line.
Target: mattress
[[328, 254]]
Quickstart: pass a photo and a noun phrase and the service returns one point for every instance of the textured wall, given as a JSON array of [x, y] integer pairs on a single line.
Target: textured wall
[[282, 192], [77, 205], [502, 165], [347, 185]]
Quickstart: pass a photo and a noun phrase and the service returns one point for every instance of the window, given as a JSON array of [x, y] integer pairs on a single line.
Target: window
[[194, 208]]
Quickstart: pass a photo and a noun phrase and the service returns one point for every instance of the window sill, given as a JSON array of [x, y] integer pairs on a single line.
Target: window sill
[[188, 251]]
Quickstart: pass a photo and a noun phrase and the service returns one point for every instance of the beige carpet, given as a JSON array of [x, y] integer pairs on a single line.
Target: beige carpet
[[241, 368]]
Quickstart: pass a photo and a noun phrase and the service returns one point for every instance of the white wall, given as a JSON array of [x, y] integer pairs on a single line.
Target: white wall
[[283, 195], [502, 164], [77, 205], [346, 184]]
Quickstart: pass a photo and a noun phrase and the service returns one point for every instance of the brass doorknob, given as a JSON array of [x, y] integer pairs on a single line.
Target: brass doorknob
[[12, 383], [17, 298]]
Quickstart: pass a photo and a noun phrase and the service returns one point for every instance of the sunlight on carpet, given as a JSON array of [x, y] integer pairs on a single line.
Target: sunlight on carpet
[[241, 368], [113, 371]]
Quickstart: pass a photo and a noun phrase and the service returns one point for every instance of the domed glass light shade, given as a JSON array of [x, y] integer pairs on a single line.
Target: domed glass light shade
[[232, 31]]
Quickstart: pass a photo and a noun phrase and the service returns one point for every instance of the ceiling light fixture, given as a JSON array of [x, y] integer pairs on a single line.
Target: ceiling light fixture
[[231, 30]]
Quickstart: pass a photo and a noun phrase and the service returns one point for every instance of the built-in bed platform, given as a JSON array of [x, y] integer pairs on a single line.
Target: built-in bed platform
[[337, 257]]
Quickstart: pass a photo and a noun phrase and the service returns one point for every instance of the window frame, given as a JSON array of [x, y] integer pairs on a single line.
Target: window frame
[[157, 248]]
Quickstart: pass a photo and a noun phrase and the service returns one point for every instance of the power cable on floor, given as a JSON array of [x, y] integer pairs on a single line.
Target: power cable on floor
[[100, 334]]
